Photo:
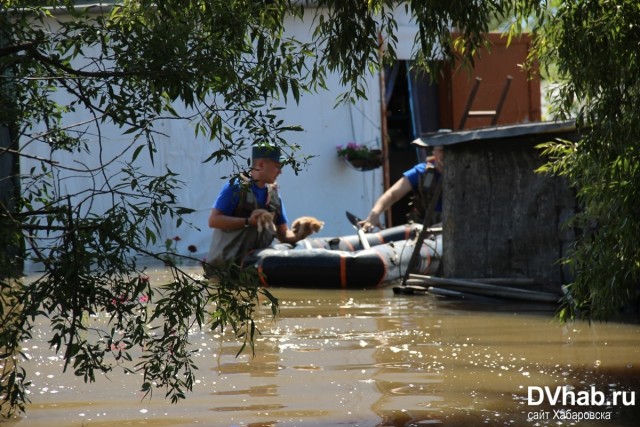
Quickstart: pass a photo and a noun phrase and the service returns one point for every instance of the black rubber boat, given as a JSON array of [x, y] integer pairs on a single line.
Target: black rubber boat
[[341, 262]]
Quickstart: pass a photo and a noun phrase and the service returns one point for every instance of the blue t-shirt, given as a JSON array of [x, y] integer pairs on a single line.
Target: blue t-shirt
[[414, 174], [229, 197]]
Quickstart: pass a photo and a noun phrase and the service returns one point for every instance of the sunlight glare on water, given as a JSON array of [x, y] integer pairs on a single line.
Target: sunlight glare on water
[[362, 358]]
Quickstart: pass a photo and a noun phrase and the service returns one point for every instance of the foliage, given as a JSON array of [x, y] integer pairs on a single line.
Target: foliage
[[595, 47], [222, 69], [361, 157], [353, 151], [171, 250]]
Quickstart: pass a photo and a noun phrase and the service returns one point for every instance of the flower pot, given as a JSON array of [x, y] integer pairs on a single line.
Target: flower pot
[[373, 161]]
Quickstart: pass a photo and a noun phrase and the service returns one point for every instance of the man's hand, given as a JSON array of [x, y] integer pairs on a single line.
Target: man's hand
[[370, 222]]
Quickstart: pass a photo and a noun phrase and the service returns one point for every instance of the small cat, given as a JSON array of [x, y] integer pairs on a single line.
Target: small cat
[[265, 221], [305, 225]]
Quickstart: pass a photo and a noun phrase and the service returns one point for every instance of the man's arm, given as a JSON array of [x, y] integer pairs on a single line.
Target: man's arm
[[217, 219], [285, 235], [401, 188]]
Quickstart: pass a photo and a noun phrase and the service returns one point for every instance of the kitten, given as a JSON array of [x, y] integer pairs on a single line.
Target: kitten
[[265, 221], [305, 225]]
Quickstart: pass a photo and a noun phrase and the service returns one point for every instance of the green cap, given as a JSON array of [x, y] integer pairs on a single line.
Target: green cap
[[266, 152]]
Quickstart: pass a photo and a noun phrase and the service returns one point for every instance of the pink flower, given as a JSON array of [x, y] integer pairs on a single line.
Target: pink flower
[[117, 347], [177, 238]]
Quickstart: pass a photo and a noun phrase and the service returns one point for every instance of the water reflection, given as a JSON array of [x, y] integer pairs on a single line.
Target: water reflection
[[366, 358]]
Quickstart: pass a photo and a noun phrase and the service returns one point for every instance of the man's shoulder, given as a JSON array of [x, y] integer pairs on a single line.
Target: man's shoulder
[[419, 168], [234, 187], [240, 182]]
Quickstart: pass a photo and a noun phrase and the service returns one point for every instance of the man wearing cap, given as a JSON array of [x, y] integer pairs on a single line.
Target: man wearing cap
[[420, 180], [236, 211]]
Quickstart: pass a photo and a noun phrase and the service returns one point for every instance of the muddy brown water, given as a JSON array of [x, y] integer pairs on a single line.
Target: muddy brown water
[[371, 358]]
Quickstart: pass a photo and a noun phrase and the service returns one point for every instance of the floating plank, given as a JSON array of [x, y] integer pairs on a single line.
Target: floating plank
[[446, 292], [508, 281], [409, 290], [484, 289], [460, 295]]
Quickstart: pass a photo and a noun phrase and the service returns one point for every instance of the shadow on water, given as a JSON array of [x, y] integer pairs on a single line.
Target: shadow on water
[[370, 359]]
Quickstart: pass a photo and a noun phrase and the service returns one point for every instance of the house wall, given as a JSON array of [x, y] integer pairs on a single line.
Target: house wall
[[501, 218], [325, 189]]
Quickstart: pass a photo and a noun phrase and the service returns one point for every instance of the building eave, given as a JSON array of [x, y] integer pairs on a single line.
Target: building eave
[[443, 139]]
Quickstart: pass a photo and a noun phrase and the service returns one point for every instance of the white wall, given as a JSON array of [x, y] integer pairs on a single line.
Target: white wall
[[326, 189]]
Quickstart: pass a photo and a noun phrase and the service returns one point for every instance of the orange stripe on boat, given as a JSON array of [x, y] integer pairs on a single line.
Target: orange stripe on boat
[[343, 271], [386, 270], [349, 245], [407, 233], [262, 276]]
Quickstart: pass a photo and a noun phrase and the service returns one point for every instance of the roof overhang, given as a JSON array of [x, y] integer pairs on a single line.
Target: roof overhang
[[539, 129]]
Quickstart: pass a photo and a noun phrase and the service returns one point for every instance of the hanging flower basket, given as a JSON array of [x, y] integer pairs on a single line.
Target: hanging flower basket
[[360, 157]]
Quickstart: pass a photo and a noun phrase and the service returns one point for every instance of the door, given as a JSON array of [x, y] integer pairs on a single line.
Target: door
[[411, 110]]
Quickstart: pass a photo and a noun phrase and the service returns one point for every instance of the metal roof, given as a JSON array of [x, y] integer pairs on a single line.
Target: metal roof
[[444, 138]]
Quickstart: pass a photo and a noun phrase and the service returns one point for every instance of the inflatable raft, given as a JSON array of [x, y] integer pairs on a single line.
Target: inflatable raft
[[341, 262]]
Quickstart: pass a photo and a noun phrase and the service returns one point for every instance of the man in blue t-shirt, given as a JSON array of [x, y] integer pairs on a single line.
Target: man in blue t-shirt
[[236, 213], [412, 180]]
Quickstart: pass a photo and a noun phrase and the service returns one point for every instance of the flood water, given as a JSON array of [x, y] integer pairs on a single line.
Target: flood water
[[371, 358]]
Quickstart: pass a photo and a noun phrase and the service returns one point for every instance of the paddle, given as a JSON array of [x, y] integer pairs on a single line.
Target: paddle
[[354, 220]]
